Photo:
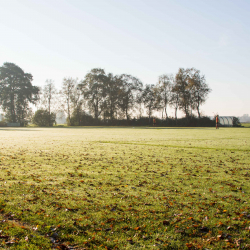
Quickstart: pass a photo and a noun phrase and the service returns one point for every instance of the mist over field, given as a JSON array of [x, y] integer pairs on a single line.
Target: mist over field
[[245, 118]]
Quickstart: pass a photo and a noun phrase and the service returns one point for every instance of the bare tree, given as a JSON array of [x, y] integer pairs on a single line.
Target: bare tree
[[67, 92], [48, 98], [77, 101]]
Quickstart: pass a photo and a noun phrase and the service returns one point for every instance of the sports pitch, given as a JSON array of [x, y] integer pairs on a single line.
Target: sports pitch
[[124, 188]]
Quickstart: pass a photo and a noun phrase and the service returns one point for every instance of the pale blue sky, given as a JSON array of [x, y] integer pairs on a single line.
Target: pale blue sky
[[52, 39]]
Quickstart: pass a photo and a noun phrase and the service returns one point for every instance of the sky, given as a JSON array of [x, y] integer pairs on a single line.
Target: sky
[[53, 39]]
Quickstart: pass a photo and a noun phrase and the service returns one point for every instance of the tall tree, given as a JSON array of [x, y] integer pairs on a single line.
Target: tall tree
[[164, 89], [149, 96], [139, 103], [198, 88], [111, 93], [77, 101], [174, 100], [182, 87], [92, 88], [131, 88], [48, 99], [16, 92], [66, 92]]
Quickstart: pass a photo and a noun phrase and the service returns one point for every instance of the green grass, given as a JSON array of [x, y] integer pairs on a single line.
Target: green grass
[[124, 188], [246, 124]]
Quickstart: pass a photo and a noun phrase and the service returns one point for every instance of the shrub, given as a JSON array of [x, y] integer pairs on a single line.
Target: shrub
[[3, 124], [42, 118], [236, 122]]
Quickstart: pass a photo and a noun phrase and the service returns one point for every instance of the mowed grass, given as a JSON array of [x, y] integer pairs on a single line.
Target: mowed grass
[[246, 125], [124, 188]]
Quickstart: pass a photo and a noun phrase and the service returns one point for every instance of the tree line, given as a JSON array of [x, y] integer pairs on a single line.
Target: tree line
[[100, 96]]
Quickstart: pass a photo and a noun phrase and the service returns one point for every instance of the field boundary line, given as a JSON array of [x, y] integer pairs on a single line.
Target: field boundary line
[[170, 146]]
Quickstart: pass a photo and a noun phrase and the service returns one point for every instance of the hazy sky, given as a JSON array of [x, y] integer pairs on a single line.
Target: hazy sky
[[52, 39]]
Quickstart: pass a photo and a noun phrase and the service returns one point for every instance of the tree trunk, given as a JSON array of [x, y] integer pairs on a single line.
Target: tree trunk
[[198, 106], [12, 109], [186, 111], [198, 111], [126, 111], [69, 112], [176, 108], [49, 114], [166, 114]]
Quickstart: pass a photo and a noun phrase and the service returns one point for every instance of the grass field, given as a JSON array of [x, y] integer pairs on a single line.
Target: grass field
[[246, 125], [124, 188]]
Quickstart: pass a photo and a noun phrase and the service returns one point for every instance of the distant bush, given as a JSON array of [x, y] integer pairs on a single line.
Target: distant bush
[[60, 125], [236, 122], [80, 118], [42, 118], [3, 124]]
